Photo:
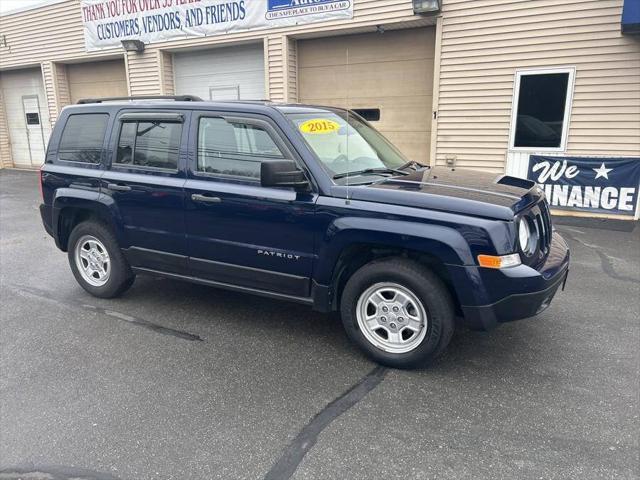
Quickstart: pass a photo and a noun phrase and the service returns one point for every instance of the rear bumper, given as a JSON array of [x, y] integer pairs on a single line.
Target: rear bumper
[[498, 296], [45, 214]]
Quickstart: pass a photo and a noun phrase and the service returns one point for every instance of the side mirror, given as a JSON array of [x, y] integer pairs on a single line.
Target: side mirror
[[282, 173]]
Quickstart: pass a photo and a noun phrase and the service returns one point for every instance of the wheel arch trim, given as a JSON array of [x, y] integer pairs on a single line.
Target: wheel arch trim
[[443, 243], [74, 202]]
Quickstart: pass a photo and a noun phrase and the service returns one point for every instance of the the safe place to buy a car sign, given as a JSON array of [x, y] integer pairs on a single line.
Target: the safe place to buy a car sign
[[108, 22]]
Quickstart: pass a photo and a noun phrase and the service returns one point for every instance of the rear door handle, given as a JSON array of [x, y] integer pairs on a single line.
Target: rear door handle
[[197, 197], [118, 188]]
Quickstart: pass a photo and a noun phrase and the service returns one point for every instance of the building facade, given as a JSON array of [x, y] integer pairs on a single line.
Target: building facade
[[477, 84]]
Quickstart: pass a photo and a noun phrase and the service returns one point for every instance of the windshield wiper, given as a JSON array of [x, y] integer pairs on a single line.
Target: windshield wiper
[[370, 170]]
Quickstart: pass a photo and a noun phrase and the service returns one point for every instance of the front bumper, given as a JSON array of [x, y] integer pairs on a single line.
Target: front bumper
[[497, 296], [513, 307]]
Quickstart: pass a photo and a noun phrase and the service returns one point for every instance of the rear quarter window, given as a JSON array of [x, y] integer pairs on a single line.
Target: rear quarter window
[[83, 137]]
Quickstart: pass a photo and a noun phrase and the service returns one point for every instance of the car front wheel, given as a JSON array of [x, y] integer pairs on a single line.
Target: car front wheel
[[399, 312]]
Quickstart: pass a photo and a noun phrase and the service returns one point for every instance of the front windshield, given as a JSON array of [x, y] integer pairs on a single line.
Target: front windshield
[[346, 146]]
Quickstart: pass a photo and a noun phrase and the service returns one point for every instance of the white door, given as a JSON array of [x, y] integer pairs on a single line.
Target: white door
[[539, 116], [33, 126], [23, 93], [228, 73]]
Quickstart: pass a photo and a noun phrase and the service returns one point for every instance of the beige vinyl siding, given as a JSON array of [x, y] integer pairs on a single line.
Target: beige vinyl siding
[[291, 53], [5, 145], [274, 67], [48, 33], [63, 95], [49, 90], [52, 35], [167, 83], [367, 15], [484, 43], [143, 71], [278, 74], [281, 68]]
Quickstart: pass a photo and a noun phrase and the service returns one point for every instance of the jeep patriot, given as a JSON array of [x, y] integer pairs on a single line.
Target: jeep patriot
[[301, 203]]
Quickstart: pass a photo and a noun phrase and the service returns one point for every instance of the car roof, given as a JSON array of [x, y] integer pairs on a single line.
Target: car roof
[[251, 106]]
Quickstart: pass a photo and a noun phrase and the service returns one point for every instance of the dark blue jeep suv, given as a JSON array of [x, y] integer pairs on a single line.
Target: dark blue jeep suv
[[303, 203]]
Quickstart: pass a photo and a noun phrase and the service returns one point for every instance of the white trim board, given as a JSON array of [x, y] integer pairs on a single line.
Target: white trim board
[[567, 107]]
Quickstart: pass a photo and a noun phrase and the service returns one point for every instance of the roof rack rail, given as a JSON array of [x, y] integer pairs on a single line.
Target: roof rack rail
[[177, 98]]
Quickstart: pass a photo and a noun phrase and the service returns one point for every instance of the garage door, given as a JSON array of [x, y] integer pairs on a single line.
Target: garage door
[[97, 79], [392, 72], [27, 116], [229, 73]]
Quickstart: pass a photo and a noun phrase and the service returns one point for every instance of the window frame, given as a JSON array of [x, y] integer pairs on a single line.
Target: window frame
[[129, 116], [236, 88], [103, 149], [567, 107], [240, 118]]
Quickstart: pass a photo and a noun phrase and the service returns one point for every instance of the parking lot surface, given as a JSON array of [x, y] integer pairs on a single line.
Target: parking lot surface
[[180, 381]]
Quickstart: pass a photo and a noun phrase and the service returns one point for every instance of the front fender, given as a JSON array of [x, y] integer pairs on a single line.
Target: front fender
[[444, 243]]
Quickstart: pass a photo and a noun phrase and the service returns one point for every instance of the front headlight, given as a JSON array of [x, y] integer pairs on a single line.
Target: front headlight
[[526, 237]]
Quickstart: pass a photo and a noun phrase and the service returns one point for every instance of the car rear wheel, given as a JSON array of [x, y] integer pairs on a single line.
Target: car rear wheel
[[399, 312], [97, 262]]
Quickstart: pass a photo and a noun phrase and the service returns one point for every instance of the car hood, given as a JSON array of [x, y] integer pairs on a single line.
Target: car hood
[[468, 192]]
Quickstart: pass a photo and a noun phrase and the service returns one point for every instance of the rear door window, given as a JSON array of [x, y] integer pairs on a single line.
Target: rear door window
[[152, 144], [83, 138]]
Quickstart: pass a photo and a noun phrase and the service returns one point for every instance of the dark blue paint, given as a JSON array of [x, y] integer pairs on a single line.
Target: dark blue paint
[[151, 213], [289, 244]]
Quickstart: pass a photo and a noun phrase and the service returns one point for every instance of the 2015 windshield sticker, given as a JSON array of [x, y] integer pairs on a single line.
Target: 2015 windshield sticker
[[319, 126]]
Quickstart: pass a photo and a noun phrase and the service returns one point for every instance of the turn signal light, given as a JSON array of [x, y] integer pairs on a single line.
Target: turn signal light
[[501, 261]]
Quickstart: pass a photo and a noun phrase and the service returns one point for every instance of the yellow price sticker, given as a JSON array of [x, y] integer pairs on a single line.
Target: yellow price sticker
[[319, 126]]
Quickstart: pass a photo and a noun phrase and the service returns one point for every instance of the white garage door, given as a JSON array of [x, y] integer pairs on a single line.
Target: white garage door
[[27, 116], [229, 73], [97, 79], [390, 72]]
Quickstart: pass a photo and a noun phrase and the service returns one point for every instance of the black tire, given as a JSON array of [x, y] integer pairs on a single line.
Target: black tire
[[120, 278], [429, 290]]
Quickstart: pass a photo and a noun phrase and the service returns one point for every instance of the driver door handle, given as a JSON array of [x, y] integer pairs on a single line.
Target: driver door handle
[[118, 188], [197, 197]]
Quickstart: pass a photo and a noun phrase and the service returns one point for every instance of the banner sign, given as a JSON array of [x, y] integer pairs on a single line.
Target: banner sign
[[599, 185], [108, 22]]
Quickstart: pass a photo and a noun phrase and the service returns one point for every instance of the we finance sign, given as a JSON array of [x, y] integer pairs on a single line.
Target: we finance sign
[[599, 185], [108, 22]]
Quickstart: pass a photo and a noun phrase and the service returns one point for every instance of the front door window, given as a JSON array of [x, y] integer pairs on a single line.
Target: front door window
[[234, 148]]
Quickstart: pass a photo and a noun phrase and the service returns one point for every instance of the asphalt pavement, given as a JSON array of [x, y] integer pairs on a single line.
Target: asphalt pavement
[[180, 381]]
